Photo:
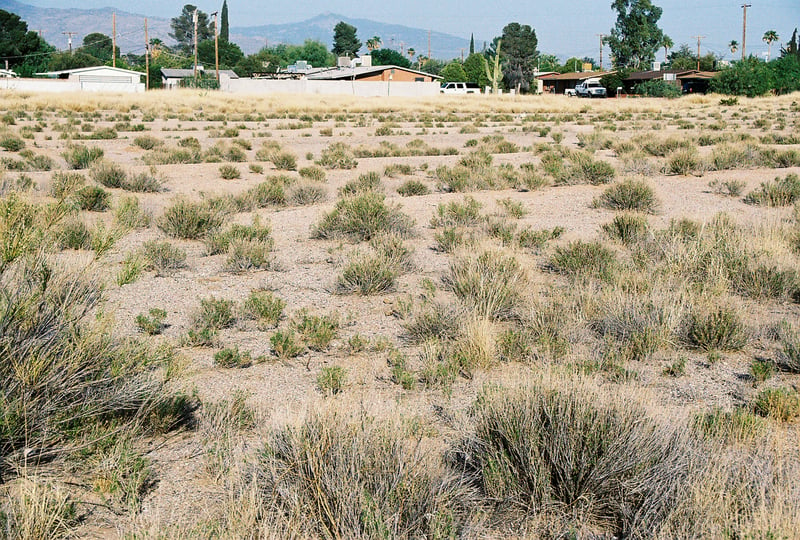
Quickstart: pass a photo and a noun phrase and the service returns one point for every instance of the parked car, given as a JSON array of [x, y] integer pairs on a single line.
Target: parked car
[[590, 88], [460, 88], [570, 92]]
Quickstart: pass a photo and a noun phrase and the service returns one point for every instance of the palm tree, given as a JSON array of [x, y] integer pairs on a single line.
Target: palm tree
[[770, 36], [733, 46], [374, 43], [411, 52], [667, 43]]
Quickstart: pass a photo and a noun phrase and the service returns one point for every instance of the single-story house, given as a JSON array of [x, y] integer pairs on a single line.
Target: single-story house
[[370, 73], [558, 83], [689, 81], [171, 78], [100, 78]]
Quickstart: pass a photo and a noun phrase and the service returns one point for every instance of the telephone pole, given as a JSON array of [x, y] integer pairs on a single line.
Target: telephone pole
[[114, 39], [744, 26], [429, 44], [216, 47], [146, 58], [602, 37], [698, 50], [69, 39]]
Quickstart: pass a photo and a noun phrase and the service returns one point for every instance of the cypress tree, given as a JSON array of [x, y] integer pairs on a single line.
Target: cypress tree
[[224, 31], [472, 44]]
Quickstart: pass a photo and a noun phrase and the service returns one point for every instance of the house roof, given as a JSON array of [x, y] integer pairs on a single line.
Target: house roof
[[171, 73], [358, 72], [90, 69], [679, 74], [580, 76], [541, 74]]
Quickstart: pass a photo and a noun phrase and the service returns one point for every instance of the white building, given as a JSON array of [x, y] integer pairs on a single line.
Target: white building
[[99, 79]]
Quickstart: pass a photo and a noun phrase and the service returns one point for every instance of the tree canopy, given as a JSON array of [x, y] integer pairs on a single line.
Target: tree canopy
[[229, 54], [518, 55], [475, 69], [345, 40], [98, 45], [453, 72], [685, 58], [183, 28], [25, 50], [792, 46], [224, 27], [636, 36], [389, 57]]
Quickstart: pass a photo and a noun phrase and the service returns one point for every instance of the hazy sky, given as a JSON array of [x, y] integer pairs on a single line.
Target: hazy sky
[[563, 28]]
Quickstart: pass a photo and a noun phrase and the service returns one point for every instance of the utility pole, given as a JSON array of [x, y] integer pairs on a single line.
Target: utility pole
[[429, 44], [744, 26], [602, 37], [462, 55], [194, 20], [146, 58], [698, 50], [69, 39], [216, 47], [114, 39]]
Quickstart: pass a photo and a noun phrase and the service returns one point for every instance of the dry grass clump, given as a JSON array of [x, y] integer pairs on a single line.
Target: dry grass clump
[[313, 173], [413, 188], [628, 228], [129, 214], [362, 217], [337, 156], [264, 307], [375, 272], [476, 172], [490, 284], [458, 214], [585, 259], [163, 257], [370, 181], [334, 477], [79, 156], [570, 458], [36, 508], [570, 167], [720, 329], [629, 195]]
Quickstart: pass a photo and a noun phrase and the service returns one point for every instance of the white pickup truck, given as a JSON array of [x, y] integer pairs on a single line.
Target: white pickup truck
[[460, 88]]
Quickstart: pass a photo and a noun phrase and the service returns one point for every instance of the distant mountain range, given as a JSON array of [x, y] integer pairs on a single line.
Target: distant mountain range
[[54, 22]]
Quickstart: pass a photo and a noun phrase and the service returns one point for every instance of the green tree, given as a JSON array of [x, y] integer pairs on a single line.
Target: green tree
[[183, 28], [98, 45], [770, 36], [684, 58], [64, 60], [345, 40], [475, 70], [374, 43], [749, 77], [667, 43], [636, 36], [229, 54], [548, 62], [519, 55], [24, 50], [263, 61], [453, 72], [571, 65], [224, 27], [390, 57], [792, 47], [472, 44]]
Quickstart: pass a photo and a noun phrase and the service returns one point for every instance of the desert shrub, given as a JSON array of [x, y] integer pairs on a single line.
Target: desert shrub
[[582, 168], [61, 378], [763, 281], [108, 174], [514, 209], [92, 198], [285, 344], [683, 161], [717, 330], [147, 142], [143, 182], [789, 356], [340, 478], [11, 143], [337, 156], [269, 193], [778, 403], [163, 257], [630, 194], [313, 173], [396, 169], [65, 184], [316, 331], [627, 228], [129, 214], [284, 161], [585, 259], [244, 254], [457, 214], [38, 509], [361, 218], [367, 274], [761, 370], [231, 357], [307, 193], [220, 241], [370, 181], [491, 284], [74, 234], [779, 192], [162, 155], [738, 425], [332, 380], [435, 321], [264, 307], [575, 457], [229, 172], [411, 188], [190, 220], [729, 188], [79, 156], [151, 323]]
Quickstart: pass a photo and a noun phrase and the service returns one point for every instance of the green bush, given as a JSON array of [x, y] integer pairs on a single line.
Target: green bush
[[412, 188], [630, 194], [718, 330], [231, 357], [74, 234], [627, 228], [332, 380], [162, 257], [147, 142], [361, 218], [370, 181], [367, 274], [778, 403], [108, 174], [491, 283], [92, 198], [779, 192], [284, 161], [264, 307], [337, 156], [285, 344], [190, 220], [316, 331], [129, 214], [229, 172], [79, 156], [748, 77], [152, 323], [458, 214], [657, 88], [11, 143], [585, 259], [314, 173]]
